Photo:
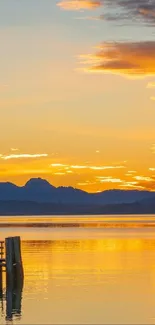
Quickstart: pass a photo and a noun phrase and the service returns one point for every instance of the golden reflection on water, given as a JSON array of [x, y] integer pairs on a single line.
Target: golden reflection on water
[[89, 278]]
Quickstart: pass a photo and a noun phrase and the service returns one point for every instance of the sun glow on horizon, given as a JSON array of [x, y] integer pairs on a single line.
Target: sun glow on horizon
[[90, 131]]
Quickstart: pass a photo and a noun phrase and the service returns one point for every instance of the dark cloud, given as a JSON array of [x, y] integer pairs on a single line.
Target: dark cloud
[[140, 11], [133, 11]]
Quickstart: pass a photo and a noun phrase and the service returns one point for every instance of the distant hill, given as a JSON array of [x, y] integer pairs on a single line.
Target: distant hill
[[40, 191], [8, 208], [39, 197]]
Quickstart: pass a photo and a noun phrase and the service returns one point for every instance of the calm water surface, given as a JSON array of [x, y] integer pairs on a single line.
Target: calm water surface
[[84, 270]]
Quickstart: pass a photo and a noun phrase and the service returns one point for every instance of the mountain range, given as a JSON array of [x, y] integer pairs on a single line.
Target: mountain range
[[38, 196]]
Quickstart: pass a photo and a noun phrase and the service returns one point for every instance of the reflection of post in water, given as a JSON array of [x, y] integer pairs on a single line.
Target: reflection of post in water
[[14, 277], [1, 282], [1, 290], [13, 299], [2, 264]]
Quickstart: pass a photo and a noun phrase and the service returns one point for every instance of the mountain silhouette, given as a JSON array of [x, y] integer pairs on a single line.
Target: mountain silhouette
[[41, 191]]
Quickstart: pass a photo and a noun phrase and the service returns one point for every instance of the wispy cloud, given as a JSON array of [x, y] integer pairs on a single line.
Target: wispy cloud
[[25, 155], [109, 179], [132, 185], [78, 167], [124, 58], [58, 165], [86, 183], [141, 182], [106, 167], [143, 178], [59, 173], [79, 4], [87, 166], [14, 149]]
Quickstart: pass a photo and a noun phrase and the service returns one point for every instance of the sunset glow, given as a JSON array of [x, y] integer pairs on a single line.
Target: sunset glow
[[77, 93]]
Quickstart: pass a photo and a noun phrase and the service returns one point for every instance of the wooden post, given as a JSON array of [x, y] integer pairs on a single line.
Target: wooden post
[[14, 276], [14, 266], [9, 309], [1, 282], [9, 260], [17, 299], [19, 273], [1, 279], [13, 299]]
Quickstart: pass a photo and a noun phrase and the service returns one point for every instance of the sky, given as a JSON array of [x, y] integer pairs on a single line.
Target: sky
[[77, 93]]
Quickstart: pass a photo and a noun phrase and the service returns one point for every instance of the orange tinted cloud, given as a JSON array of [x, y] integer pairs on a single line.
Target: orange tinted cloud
[[79, 4], [125, 58]]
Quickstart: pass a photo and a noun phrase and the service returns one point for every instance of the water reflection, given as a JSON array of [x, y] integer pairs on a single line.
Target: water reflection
[[13, 300], [10, 298], [85, 278]]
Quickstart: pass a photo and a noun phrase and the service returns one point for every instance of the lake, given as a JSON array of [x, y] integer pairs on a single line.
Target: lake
[[84, 269]]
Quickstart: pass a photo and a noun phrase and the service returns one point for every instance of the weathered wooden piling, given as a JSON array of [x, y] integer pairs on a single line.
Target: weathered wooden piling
[[9, 251], [13, 300], [18, 265], [2, 264], [14, 276], [14, 266]]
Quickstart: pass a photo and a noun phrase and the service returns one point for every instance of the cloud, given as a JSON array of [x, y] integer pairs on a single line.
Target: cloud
[[87, 166], [87, 183], [123, 58], [148, 185], [58, 165], [117, 11], [106, 167], [109, 179], [60, 174], [152, 98], [141, 11], [141, 182], [14, 149], [25, 155], [132, 185], [78, 167], [143, 178], [79, 4]]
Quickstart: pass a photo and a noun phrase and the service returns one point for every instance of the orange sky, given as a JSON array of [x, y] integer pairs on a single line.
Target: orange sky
[[59, 120]]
